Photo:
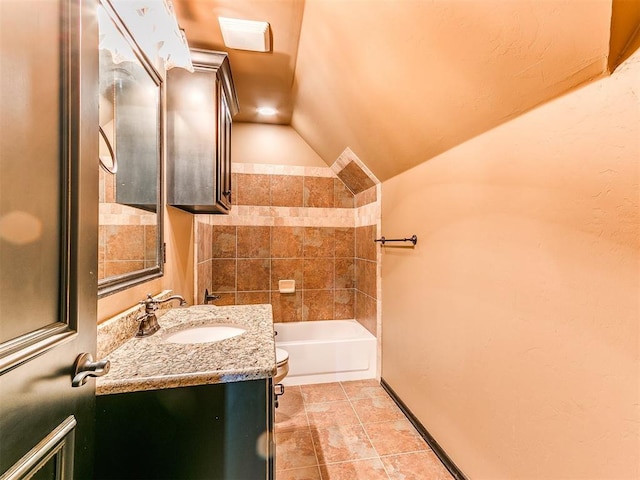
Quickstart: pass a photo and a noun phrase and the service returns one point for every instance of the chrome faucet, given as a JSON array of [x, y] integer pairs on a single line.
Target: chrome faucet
[[148, 320]]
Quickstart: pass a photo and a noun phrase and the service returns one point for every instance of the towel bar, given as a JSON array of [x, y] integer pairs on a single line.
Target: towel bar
[[413, 239]]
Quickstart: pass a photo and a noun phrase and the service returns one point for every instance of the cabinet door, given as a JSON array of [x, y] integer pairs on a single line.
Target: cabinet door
[[191, 139], [199, 137], [206, 432], [223, 197]]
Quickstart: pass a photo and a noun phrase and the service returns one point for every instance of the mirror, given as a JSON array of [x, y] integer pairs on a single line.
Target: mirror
[[130, 221]]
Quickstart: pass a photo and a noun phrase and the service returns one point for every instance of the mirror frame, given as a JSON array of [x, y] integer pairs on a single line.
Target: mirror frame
[[117, 283]]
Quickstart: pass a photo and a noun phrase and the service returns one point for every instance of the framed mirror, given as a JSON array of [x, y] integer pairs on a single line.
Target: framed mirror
[[130, 242]]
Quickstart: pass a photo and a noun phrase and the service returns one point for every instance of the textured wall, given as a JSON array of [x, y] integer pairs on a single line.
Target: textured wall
[[400, 82], [511, 330]]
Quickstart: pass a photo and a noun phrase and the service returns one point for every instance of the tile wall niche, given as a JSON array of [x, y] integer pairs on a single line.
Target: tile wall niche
[[299, 223]]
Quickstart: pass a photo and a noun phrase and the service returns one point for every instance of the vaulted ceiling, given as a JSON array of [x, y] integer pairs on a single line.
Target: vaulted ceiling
[[401, 81]]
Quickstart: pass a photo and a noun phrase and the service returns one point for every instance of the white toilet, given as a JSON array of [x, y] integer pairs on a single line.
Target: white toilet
[[282, 361]]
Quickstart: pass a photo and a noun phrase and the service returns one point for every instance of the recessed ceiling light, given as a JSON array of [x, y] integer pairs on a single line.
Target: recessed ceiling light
[[245, 34], [267, 111]]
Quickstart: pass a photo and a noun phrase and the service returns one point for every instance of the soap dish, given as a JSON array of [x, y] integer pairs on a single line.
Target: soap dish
[[287, 286]]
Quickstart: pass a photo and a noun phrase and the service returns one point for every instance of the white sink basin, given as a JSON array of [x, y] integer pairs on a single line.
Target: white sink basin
[[205, 334]]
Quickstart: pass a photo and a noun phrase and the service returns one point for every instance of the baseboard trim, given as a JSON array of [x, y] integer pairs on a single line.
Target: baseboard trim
[[437, 449]]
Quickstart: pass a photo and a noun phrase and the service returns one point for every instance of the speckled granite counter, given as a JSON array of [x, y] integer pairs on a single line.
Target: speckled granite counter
[[151, 363]]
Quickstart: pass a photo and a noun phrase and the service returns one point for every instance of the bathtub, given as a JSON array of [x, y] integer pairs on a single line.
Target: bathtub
[[327, 351]]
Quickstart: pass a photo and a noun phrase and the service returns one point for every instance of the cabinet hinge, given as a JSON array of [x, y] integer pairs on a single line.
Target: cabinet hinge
[[164, 253]]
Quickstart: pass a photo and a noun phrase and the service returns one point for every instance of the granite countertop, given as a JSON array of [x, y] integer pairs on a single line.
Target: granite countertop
[[151, 363]]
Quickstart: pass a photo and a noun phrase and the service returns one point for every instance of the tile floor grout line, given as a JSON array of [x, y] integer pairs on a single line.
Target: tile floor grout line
[[366, 433], [351, 461], [308, 428], [346, 396], [359, 421], [313, 443], [352, 408], [406, 453]]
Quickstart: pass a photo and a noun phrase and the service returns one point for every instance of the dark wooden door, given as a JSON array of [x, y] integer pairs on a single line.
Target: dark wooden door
[[48, 235]]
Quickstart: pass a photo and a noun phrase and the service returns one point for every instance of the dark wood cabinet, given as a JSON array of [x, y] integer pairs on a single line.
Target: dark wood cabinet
[[137, 138], [214, 432], [200, 107]]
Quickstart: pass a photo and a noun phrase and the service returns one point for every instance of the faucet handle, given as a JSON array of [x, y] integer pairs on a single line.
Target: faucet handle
[[150, 304], [147, 300], [208, 297]]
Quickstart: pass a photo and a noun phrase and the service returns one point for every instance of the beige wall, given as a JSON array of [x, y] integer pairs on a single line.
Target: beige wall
[[271, 144], [402, 81], [511, 331]]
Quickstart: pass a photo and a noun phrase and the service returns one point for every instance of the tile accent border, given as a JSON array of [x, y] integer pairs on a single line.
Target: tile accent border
[[117, 214], [370, 213], [271, 216], [269, 169], [283, 217]]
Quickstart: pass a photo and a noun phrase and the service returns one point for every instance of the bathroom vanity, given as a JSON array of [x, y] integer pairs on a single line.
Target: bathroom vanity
[[187, 402]]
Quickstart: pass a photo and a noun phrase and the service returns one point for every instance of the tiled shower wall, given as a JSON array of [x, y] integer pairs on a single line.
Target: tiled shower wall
[[297, 223], [366, 275]]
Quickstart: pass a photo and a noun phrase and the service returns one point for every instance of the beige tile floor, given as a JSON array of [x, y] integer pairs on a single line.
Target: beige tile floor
[[349, 431]]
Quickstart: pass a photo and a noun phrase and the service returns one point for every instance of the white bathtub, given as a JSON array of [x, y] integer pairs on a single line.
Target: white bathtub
[[327, 351]]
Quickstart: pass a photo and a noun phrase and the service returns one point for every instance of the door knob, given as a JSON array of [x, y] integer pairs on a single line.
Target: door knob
[[84, 367]]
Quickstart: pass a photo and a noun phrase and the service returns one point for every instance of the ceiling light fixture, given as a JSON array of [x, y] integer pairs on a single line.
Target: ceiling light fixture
[[267, 111], [245, 34], [155, 27]]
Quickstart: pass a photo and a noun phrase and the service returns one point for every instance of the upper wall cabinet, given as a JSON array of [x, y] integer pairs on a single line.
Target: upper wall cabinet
[[200, 106]]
